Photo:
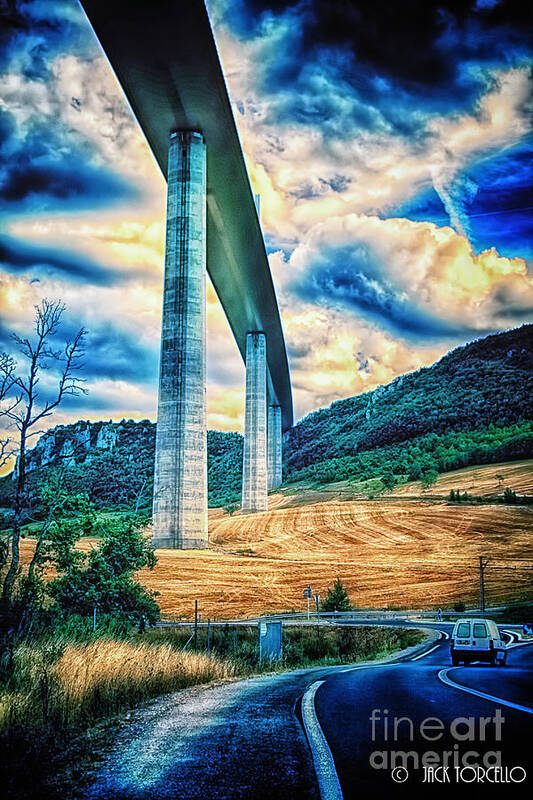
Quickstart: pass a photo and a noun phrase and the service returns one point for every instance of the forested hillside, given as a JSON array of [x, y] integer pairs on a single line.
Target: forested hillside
[[474, 405], [113, 462]]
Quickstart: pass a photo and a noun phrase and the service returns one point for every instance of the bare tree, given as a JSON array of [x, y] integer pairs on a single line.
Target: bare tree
[[24, 403]]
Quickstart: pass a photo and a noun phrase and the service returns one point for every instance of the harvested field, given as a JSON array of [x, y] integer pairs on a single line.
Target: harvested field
[[485, 481], [388, 553], [393, 552]]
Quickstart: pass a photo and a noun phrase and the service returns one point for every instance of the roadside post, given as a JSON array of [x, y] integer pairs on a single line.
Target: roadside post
[[483, 561], [308, 593], [208, 635], [317, 601], [270, 639], [195, 625]]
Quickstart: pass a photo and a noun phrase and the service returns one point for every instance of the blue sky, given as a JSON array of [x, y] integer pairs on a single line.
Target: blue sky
[[392, 147]]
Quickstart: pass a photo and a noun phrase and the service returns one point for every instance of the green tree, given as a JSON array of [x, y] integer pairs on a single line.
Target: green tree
[[336, 598], [388, 479], [510, 496], [102, 578], [231, 508], [415, 472], [429, 478]]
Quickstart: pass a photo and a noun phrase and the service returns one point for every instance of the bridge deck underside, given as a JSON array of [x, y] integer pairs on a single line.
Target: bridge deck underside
[[165, 58]]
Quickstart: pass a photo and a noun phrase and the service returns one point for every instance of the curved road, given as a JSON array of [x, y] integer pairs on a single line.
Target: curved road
[[413, 690], [245, 739]]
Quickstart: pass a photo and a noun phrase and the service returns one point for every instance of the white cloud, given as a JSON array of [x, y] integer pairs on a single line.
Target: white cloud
[[317, 190]]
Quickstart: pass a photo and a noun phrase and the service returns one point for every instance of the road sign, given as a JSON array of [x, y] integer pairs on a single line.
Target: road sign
[[527, 629]]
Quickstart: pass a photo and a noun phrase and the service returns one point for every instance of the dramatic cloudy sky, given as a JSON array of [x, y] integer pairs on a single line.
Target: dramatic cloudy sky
[[391, 143]]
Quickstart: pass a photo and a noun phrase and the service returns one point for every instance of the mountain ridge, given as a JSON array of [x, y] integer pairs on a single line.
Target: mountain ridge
[[474, 405]]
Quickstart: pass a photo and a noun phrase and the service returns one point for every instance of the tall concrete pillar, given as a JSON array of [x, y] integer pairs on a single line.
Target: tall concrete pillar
[[180, 480], [274, 447], [254, 470]]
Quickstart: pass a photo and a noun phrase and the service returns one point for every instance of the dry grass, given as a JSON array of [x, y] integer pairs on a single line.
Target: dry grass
[[56, 693], [112, 673], [65, 686]]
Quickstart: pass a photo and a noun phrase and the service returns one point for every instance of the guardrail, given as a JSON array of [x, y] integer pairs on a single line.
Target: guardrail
[[372, 615]]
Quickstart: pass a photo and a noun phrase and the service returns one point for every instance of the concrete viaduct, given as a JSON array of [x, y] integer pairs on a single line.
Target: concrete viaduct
[[164, 56]]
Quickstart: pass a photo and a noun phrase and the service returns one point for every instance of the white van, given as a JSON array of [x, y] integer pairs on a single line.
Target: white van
[[477, 639]]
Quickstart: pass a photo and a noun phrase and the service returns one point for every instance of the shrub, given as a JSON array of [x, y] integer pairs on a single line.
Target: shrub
[[510, 496], [337, 598]]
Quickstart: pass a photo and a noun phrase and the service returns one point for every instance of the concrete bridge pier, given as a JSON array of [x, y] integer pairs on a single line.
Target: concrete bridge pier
[[180, 479], [274, 447], [254, 472]]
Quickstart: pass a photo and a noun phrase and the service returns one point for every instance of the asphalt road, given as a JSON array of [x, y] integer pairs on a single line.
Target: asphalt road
[[245, 739], [362, 750]]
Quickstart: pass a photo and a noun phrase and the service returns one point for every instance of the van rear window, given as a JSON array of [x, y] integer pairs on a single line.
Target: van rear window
[[480, 630], [463, 630]]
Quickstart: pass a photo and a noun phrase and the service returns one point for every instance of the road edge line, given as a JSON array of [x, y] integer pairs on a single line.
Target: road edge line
[[425, 653], [444, 677], [326, 773]]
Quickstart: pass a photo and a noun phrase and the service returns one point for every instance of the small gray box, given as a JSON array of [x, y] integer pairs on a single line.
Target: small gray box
[[270, 640]]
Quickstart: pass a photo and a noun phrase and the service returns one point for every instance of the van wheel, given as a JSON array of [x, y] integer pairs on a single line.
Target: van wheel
[[455, 661], [503, 661]]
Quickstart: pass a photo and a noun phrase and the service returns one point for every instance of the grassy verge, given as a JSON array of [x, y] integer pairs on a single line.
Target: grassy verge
[[57, 690], [305, 646]]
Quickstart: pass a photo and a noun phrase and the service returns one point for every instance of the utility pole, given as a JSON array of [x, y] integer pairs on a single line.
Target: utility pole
[[483, 561], [195, 625]]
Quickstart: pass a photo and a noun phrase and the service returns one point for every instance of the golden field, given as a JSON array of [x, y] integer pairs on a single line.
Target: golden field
[[409, 549], [487, 480], [391, 552]]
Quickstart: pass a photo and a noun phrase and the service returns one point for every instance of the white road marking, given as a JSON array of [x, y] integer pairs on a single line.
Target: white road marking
[[444, 635], [328, 780], [443, 676], [426, 653], [512, 635]]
